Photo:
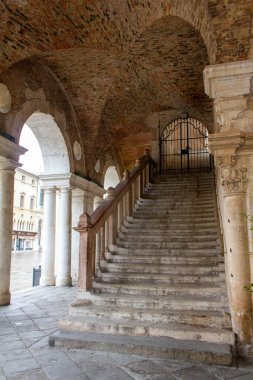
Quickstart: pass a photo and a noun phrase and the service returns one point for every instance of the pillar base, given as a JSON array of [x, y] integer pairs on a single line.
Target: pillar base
[[5, 299], [66, 281], [46, 281]]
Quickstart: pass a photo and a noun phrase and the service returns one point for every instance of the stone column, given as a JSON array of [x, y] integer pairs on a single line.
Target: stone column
[[48, 244], [77, 211], [7, 173], [234, 181], [230, 86], [63, 277]]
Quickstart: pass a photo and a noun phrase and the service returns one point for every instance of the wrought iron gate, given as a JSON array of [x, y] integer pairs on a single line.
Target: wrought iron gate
[[183, 147]]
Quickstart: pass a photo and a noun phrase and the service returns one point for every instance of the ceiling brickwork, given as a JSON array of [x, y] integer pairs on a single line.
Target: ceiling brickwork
[[119, 61]]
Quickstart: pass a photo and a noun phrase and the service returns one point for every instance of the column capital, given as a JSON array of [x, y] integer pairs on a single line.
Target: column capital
[[228, 149], [8, 164], [234, 178]]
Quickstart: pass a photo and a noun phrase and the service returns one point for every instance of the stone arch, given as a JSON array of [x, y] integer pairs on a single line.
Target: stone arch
[[112, 169], [40, 91], [52, 143]]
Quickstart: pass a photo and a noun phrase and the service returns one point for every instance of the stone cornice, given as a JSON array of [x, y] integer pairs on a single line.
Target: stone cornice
[[10, 150], [226, 143], [228, 79], [73, 181]]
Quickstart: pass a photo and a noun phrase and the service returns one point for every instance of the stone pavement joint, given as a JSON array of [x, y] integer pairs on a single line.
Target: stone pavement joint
[[27, 324]]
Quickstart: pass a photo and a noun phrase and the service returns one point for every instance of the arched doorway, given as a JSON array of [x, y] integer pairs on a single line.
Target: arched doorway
[[183, 147]]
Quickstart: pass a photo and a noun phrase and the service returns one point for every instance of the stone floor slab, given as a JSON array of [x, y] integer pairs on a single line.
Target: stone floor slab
[[195, 373], [36, 374], [19, 365], [109, 374]]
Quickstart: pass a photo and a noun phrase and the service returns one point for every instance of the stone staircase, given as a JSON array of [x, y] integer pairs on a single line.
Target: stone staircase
[[161, 290]]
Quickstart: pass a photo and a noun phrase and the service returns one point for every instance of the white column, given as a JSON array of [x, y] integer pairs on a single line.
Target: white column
[[63, 277], [7, 172], [77, 210], [48, 244]]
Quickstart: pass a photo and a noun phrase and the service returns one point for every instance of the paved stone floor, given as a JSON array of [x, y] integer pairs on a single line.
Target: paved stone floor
[[32, 317]]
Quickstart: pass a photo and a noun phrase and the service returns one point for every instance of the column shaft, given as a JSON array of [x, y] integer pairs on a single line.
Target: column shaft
[[7, 172], [63, 277], [48, 245], [235, 228]]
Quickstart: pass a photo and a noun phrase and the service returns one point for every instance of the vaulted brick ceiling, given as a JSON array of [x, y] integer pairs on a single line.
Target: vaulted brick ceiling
[[120, 60]]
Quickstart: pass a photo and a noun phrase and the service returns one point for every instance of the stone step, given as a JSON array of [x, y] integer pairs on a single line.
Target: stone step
[[167, 238], [193, 207], [151, 347], [154, 278], [158, 289], [160, 268], [187, 317], [168, 301], [163, 259], [143, 328], [166, 244], [166, 224], [191, 252], [194, 233], [171, 218]]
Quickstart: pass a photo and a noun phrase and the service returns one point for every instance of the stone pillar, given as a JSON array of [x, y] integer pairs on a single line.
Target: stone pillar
[[230, 86], [63, 277], [77, 210], [9, 157], [48, 244], [234, 181], [7, 173]]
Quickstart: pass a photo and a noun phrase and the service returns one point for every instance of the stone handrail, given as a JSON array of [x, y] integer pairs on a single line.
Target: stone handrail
[[98, 232]]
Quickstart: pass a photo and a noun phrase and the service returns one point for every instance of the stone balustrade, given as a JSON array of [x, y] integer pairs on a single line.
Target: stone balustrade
[[98, 232]]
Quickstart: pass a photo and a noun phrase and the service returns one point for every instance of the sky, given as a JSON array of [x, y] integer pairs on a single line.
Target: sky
[[32, 160]]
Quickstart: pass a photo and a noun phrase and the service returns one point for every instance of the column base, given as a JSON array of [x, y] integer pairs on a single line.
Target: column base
[[47, 281], [65, 281], [5, 299]]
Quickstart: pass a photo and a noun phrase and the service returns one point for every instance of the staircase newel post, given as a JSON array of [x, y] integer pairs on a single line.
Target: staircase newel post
[[85, 253]]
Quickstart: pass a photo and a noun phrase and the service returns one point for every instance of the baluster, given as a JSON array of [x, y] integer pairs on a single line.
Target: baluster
[[102, 242], [97, 250]]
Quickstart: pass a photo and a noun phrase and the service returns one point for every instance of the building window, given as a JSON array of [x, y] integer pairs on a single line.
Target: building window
[[22, 201], [32, 203], [33, 182], [41, 197], [23, 178]]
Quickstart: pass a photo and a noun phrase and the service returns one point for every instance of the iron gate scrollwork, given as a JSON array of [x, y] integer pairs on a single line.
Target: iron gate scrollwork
[[183, 147]]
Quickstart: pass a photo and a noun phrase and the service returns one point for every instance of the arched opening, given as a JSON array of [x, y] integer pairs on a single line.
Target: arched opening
[[111, 177], [183, 147], [43, 166]]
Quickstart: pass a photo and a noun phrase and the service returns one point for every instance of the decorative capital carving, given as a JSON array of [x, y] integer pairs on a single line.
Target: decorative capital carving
[[234, 178]]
